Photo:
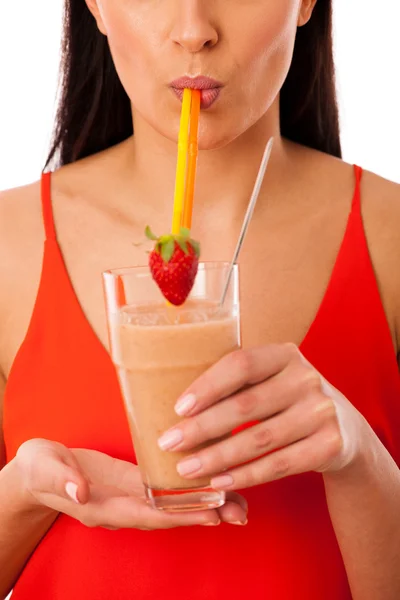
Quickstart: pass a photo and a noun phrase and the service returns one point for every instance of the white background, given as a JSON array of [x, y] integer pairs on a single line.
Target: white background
[[367, 56]]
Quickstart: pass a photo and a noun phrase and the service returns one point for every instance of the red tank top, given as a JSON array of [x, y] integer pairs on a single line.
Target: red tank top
[[63, 387]]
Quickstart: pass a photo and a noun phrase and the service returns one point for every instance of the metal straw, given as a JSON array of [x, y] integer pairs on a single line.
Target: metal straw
[[248, 215]]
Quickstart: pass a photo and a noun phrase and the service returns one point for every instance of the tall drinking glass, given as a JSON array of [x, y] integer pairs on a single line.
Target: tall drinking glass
[[158, 351]]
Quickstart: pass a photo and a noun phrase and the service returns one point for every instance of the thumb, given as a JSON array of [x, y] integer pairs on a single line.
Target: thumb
[[51, 468], [72, 484]]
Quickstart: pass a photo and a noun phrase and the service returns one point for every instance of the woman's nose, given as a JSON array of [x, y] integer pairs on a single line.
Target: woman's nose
[[193, 29]]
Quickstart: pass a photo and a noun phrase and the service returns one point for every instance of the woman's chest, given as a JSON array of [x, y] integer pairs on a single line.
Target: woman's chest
[[282, 283]]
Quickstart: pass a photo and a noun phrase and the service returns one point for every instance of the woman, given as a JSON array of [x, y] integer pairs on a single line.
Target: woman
[[320, 314]]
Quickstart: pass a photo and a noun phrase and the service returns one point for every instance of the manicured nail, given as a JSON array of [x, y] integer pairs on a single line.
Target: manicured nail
[[212, 524], [185, 405], [222, 482], [186, 467], [170, 439], [72, 491], [239, 523]]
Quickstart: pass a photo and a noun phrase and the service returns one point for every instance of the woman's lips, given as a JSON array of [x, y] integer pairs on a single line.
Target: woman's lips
[[207, 97], [209, 88]]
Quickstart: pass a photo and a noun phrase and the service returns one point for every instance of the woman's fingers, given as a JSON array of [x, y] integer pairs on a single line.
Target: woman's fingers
[[117, 512], [234, 510], [109, 509], [129, 512], [232, 373], [113, 472], [100, 491], [50, 468], [309, 454], [296, 383], [237, 499], [299, 421]]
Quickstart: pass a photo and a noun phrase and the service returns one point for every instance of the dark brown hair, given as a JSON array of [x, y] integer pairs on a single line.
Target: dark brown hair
[[94, 110]]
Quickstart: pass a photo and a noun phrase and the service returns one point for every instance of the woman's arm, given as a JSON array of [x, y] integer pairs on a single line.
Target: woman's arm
[[301, 424], [2, 447], [22, 523], [22, 526], [46, 478], [304, 424], [364, 501], [364, 505]]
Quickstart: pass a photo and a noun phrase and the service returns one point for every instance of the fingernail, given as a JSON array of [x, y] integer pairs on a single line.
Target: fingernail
[[185, 405], [239, 523], [222, 482], [170, 439], [72, 491], [186, 467], [212, 524]]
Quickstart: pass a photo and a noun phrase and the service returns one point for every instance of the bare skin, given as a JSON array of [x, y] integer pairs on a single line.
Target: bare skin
[[297, 230], [103, 203], [97, 217]]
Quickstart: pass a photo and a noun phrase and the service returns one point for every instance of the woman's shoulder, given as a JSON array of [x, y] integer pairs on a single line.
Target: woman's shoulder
[[380, 206], [22, 236], [380, 197], [21, 248], [21, 217], [380, 212], [20, 224], [334, 171]]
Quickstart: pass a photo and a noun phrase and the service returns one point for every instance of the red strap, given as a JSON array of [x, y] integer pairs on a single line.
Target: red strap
[[48, 218], [356, 206]]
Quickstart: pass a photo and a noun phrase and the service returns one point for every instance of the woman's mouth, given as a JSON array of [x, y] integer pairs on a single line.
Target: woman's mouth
[[210, 89]]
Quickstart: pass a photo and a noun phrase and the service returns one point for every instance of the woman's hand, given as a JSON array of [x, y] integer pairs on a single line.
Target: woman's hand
[[102, 491], [302, 422]]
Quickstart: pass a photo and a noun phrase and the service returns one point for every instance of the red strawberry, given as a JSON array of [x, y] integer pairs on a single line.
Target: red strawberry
[[174, 263]]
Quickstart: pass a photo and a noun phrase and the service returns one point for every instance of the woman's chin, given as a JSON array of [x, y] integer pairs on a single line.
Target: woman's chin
[[212, 135], [212, 141]]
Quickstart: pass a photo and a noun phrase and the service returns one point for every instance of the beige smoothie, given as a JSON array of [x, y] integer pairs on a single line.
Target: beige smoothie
[[159, 351]]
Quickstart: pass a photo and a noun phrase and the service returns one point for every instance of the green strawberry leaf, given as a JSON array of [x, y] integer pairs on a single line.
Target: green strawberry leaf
[[184, 232], [165, 238], [182, 244], [196, 247], [149, 234], [167, 250]]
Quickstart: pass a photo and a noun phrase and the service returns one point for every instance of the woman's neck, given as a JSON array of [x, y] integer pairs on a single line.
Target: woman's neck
[[225, 175]]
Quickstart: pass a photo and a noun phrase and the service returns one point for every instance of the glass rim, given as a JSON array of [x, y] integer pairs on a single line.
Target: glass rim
[[145, 269]]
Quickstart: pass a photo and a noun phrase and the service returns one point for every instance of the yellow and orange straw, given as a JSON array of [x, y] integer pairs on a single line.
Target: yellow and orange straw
[[187, 161]]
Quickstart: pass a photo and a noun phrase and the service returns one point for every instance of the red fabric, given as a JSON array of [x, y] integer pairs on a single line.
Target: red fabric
[[63, 387]]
